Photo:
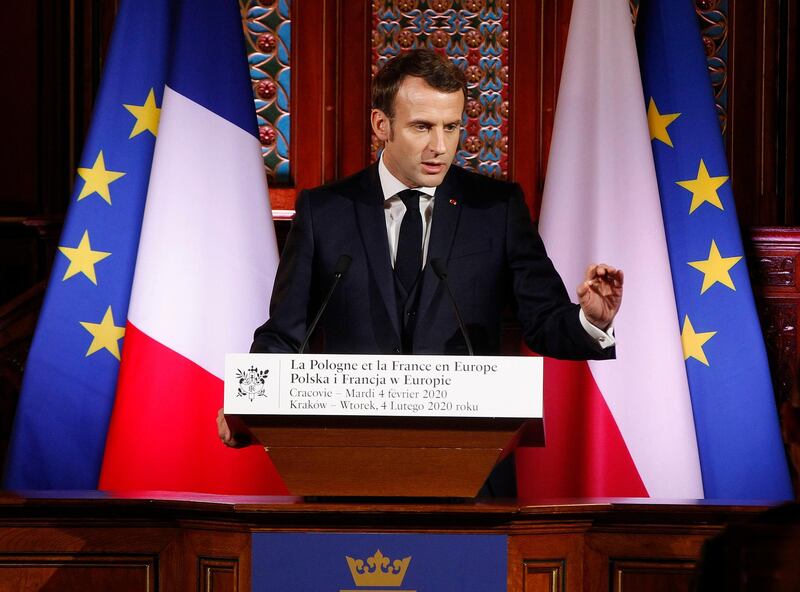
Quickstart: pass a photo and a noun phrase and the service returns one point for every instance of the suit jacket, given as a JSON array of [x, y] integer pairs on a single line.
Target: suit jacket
[[481, 230]]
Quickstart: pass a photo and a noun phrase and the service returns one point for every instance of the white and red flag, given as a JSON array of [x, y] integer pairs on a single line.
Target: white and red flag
[[621, 427]]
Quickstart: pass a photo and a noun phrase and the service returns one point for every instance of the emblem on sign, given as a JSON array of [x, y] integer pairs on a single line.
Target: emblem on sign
[[378, 570], [251, 383]]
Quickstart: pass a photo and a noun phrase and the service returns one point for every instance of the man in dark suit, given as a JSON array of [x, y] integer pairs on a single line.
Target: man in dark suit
[[390, 300], [412, 213]]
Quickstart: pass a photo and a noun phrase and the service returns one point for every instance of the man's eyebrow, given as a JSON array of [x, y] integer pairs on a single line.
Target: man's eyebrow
[[431, 124]]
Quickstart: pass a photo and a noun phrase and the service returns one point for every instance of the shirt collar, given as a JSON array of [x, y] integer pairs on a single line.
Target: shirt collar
[[391, 186]]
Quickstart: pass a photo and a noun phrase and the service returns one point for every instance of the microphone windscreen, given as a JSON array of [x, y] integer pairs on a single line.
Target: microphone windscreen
[[342, 264]]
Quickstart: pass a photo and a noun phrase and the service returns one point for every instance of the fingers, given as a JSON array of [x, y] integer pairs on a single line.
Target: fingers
[[223, 431], [602, 272], [227, 437], [601, 279]]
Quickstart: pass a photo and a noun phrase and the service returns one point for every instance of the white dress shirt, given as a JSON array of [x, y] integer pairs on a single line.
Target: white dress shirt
[[394, 209]]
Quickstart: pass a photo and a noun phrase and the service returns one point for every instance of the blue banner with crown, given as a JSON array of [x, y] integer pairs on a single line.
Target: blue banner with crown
[[333, 562]]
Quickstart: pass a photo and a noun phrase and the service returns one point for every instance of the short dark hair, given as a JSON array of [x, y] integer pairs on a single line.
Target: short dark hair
[[435, 69]]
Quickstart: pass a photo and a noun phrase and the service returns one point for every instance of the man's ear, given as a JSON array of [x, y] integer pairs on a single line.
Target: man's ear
[[381, 124]]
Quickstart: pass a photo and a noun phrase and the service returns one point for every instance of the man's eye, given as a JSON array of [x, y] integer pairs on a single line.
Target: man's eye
[[451, 128], [421, 127]]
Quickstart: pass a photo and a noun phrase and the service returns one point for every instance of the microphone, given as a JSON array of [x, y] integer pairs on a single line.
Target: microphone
[[342, 265], [441, 272]]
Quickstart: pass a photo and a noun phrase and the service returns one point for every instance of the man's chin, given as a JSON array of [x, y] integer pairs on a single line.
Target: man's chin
[[432, 179]]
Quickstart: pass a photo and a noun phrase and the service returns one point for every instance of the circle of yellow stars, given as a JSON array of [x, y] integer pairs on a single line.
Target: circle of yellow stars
[[716, 268], [82, 257]]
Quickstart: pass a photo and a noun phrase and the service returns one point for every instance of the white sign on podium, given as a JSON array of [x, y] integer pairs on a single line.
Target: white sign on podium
[[383, 386]]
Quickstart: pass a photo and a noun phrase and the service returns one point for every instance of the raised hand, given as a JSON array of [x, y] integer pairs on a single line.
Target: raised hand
[[600, 294]]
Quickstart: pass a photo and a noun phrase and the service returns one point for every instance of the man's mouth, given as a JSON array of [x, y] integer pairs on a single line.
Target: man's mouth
[[433, 168]]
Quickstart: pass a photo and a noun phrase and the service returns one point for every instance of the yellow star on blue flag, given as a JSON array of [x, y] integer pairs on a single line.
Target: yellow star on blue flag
[[147, 116], [76, 349], [738, 438]]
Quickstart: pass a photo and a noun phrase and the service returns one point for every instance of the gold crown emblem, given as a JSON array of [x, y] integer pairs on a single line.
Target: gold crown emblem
[[378, 570]]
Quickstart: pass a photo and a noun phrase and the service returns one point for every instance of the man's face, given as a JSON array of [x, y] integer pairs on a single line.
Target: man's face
[[422, 139]]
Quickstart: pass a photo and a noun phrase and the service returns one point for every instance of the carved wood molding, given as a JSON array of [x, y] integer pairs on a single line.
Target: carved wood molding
[[775, 268]]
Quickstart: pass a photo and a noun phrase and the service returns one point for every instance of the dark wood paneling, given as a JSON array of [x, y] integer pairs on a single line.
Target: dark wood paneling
[[775, 267], [19, 53], [78, 554], [313, 63], [754, 122], [538, 43], [653, 576], [17, 322], [548, 555], [652, 557], [218, 575], [34, 572], [215, 561], [543, 576], [197, 542], [790, 112], [353, 86]]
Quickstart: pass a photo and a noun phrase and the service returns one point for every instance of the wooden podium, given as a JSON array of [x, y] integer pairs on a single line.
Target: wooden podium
[[385, 457], [427, 453]]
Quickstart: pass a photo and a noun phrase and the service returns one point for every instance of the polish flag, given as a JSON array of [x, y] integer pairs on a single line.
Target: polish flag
[[204, 273], [621, 428]]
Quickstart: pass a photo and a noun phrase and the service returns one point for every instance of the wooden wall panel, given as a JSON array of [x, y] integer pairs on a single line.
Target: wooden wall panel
[[538, 42], [65, 571], [549, 559], [758, 67], [789, 112], [218, 575], [201, 542], [19, 53], [543, 575], [216, 561], [646, 557], [17, 322], [654, 576], [68, 558], [775, 266], [129, 556], [353, 94]]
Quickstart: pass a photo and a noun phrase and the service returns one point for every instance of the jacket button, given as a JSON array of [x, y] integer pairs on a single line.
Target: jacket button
[[396, 350]]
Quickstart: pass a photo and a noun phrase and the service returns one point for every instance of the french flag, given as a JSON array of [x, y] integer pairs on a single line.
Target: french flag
[[204, 271], [621, 428]]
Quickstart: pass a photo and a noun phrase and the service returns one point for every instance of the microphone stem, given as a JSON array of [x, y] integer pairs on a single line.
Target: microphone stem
[[458, 317], [321, 310]]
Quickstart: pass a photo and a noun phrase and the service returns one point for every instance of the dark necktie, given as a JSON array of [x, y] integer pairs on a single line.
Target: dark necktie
[[409, 245]]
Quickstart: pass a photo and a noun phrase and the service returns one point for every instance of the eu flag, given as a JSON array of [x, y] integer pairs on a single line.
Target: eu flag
[[70, 378], [738, 436]]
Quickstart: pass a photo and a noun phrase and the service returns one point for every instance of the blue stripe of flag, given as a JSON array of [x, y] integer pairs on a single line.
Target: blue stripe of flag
[[741, 453], [209, 40], [67, 394]]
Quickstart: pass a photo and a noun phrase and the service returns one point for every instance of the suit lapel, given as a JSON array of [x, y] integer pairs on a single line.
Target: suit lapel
[[372, 223], [446, 212]]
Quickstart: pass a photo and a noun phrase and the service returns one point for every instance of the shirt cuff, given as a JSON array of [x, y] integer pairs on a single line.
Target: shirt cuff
[[604, 339]]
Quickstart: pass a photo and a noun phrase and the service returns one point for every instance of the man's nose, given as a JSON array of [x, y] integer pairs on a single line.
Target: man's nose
[[436, 141]]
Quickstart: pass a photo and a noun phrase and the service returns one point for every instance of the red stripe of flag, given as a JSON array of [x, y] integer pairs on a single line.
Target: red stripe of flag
[[174, 401]]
